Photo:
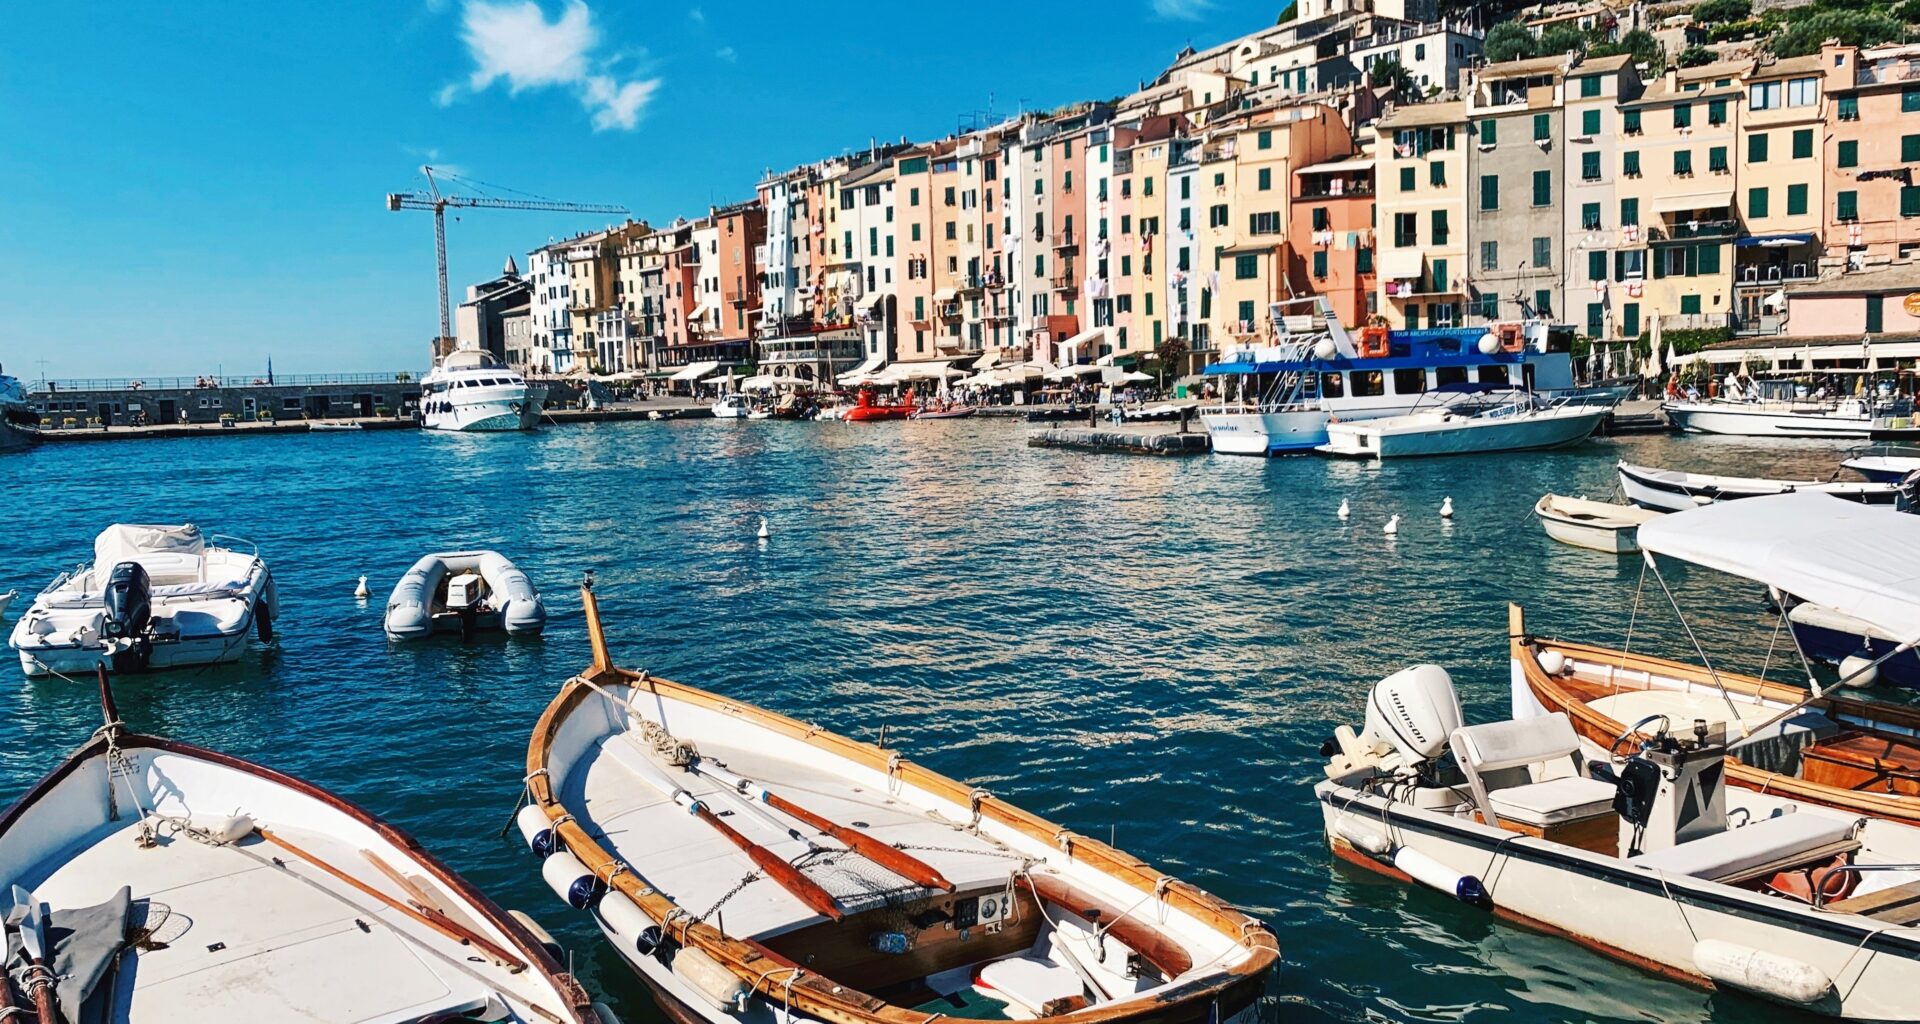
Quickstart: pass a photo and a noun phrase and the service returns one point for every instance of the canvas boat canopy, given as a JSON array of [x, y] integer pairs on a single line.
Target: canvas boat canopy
[[1859, 560], [126, 542], [695, 371]]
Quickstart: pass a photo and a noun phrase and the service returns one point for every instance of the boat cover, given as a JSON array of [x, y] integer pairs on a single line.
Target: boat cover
[[1861, 560], [124, 542]]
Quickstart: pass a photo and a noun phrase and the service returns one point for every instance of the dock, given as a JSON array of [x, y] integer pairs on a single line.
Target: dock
[[1635, 416], [1147, 439]]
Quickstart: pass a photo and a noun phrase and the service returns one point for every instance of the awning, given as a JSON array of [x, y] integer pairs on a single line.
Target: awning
[[1775, 241], [700, 311], [769, 381], [1338, 166], [871, 364], [946, 295], [988, 361], [877, 298], [1073, 344], [1070, 372], [695, 371], [923, 371], [1694, 201], [1402, 265], [1860, 560]]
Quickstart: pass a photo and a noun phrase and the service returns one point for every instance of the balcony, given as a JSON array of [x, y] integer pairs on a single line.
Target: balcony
[[1335, 189], [1765, 325], [949, 311], [1065, 240], [1066, 283], [1687, 230], [1769, 274], [1694, 321], [1887, 71]]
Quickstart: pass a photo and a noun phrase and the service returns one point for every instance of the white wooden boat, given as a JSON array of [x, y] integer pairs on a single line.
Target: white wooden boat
[[1672, 490], [753, 867], [153, 597], [464, 591], [180, 884], [1468, 423], [1599, 525], [1842, 418], [1651, 859], [1884, 463]]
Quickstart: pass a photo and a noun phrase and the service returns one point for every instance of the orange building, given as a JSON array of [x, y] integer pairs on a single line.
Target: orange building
[[1872, 151], [1330, 236], [741, 228]]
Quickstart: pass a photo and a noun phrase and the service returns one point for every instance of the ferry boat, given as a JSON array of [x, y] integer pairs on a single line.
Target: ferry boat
[[470, 390], [1282, 396], [17, 418]]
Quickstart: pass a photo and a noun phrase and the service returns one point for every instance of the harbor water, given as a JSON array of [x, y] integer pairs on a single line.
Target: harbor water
[[1150, 649]]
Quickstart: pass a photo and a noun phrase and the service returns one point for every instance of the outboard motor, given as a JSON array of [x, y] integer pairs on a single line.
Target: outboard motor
[[129, 599], [1410, 716]]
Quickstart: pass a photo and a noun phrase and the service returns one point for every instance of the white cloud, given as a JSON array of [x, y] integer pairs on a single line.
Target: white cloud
[[726, 53], [1181, 10], [697, 16], [514, 41]]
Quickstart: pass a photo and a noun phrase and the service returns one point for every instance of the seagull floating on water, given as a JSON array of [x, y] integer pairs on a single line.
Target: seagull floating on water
[[1446, 507], [1393, 525], [763, 534], [1345, 509], [360, 590]]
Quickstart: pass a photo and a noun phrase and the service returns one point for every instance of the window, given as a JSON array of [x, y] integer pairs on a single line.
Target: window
[[1542, 253], [1439, 227], [1590, 87], [1186, 187], [1910, 200], [1709, 259], [1683, 162], [1590, 216], [1630, 122], [1542, 127], [1409, 381], [1543, 188], [1756, 202], [1320, 263], [1683, 116], [1332, 385], [1596, 319], [1146, 186], [1489, 134], [1590, 167], [1630, 163], [1372, 383], [1489, 191], [1217, 215], [1596, 266], [1406, 230], [1757, 148], [1717, 159], [1909, 148], [1266, 140], [1910, 99], [1436, 174], [1489, 255], [1630, 320], [1716, 112], [1849, 108], [1269, 223], [1542, 304], [1796, 200], [1847, 154], [1266, 178], [1413, 316], [1245, 312], [1487, 307], [1322, 220], [913, 232], [1438, 273], [1363, 261], [1590, 123], [1406, 179], [1246, 266], [1876, 314], [1803, 144], [1846, 205], [1803, 92]]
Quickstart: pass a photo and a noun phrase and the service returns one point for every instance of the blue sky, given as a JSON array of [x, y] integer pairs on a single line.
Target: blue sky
[[192, 186]]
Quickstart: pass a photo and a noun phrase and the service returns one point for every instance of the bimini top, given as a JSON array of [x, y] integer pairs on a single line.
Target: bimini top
[[1862, 560], [124, 542]]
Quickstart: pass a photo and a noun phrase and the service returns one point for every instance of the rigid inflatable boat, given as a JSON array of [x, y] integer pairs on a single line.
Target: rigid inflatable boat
[[464, 591]]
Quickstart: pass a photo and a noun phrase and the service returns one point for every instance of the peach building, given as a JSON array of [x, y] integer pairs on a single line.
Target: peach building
[[1872, 212], [1330, 236], [1420, 169]]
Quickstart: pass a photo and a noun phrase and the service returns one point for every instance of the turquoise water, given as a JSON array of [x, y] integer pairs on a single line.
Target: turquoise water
[[1147, 648]]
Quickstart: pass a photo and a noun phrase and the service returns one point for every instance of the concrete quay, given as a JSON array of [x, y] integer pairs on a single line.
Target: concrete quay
[[1145, 439]]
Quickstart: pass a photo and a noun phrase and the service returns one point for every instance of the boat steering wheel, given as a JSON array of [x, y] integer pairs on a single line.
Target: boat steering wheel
[[1613, 752]]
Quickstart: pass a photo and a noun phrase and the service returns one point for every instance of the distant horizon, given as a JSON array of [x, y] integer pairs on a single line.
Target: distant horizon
[[209, 214]]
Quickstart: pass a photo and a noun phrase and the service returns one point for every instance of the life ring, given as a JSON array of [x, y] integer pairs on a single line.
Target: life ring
[[1375, 342], [1512, 338]]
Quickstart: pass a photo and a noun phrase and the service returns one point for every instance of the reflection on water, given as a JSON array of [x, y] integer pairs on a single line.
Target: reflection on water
[[1147, 648]]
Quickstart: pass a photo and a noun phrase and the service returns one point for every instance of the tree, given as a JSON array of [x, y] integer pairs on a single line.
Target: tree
[[1713, 11], [1852, 28], [1694, 57], [1391, 74], [1507, 41], [1560, 39], [1640, 44]]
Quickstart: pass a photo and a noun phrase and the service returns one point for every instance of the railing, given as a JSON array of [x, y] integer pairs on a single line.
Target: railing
[[1774, 273], [1891, 71], [1064, 240], [1066, 283], [1362, 188], [1691, 229], [1759, 326], [211, 382], [1694, 321]]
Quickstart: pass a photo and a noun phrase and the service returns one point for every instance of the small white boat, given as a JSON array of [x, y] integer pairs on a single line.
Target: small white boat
[[1884, 463], [731, 407], [153, 597], [164, 882], [1848, 417], [751, 867], [322, 426], [464, 591], [1648, 857], [1672, 490], [760, 414], [1599, 525], [1469, 419]]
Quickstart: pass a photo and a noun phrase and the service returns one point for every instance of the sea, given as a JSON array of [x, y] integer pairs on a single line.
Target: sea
[[1148, 650]]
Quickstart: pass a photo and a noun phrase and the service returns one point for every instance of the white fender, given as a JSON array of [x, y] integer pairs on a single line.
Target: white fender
[[1363, 838], [570, 880], [536, 828], [706, 976], [625, 919], [1433, 874], [1760, 972]]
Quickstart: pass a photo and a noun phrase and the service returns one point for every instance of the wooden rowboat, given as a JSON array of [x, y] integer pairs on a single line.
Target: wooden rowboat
[[1855, 755], [1598, 525], [201, 887], [737, 857]]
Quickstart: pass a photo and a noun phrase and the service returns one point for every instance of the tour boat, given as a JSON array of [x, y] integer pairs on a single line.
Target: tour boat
[[18, 420], [1468, 419], [164, 882], [1672, 490], [1284, 395], [1846, 417], [1599, 525], [1884, 463], [464, 591], [1648, 857], [752, 867], [866, 408], [153, 597], [470, 390]]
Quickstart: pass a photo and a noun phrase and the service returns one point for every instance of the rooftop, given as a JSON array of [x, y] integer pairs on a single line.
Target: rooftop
[[1894, 279], [1416, 115]]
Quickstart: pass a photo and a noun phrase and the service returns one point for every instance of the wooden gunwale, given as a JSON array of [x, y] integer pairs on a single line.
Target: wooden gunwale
[[1602, 730], [578, 1004], [768, 973]]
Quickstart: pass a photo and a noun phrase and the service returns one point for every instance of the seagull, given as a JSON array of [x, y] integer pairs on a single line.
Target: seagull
[[763, 534], [1393, 525], [1446, 508], [360, 591], [1345, 509]]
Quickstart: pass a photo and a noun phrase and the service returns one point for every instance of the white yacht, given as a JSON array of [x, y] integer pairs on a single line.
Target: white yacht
[[17, 417], [153, 597], [469, 389], [1280, 398]]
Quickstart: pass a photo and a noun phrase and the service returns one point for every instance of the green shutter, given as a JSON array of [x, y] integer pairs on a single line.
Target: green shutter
[[1756, 202], [1630, 163], [1683, 161], [1589, 86], [1796, 200], [1690, 305], [1266, 178], [1710, 259], [1717, 158], [1590, 122], [1847, 154], [1596, 266], [1909, 148], [1437, 173], [1757, 148], [1439, 275], [1803, 143], [1319, 263], [1406, 179], [1630, 320], [1876, 314], [1543, 188], [1596, 319], [1590, 166], [1846, 206], [1439, 227], [1590, 216], [1489, 191], [1683, 116], [1910, 99], [1542, 127], [1910, 201], [1630, 122], [1716, 111], [1488, 134], [1629, 212]]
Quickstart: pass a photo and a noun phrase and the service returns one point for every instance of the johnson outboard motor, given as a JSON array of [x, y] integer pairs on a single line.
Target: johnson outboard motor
[[129, 599]]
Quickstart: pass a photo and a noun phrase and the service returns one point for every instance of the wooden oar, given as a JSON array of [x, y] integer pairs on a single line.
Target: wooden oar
[[428, 916]]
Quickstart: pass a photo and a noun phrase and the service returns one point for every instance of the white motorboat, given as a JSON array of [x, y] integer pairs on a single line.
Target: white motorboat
[[18, 420], [1468, 419], [753, 867], [322, 427], [1598, 525], [470, 390], [464, 592], [1846, 417], [1884, 463], [731, 407], [1651, 858], [158, 881], [6, 601], [1672, 490], [153, 597]]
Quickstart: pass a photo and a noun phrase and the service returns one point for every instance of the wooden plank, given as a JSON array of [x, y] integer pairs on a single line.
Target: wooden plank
[[1899, 904]]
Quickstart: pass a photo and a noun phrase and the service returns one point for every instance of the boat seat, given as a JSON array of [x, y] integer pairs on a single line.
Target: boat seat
[[1031, 983], [1760, 848], [1553, 802], [169, 568], [1525, 777]]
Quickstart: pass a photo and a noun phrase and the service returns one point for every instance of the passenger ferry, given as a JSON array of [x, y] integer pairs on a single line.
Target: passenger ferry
[[469, 389], [17, 418], [1280, 398]]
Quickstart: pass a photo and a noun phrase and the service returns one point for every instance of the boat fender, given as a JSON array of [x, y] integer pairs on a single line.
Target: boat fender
[[540, 934], [536, 829], [263, 622], [1430, 872], [1552, 662], [1760, 972], [601, 1010], [712, 981], [624, 918], [1363, 838], [570, 880], [1869, 673], [232, 828]]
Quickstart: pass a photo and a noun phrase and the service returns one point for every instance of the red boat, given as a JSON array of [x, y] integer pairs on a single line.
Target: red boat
[[867, 409]]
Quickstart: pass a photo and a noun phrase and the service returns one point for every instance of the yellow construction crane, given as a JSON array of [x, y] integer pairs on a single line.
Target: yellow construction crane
[[433, 199]]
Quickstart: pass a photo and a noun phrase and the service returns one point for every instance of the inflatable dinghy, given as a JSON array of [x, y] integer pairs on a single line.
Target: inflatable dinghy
[[464, 591]]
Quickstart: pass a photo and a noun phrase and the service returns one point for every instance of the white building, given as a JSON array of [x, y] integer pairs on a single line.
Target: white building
[[551, 349], [1434, 54]]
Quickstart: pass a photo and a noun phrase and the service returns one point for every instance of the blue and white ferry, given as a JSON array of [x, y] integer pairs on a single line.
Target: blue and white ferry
[[1278, 399]]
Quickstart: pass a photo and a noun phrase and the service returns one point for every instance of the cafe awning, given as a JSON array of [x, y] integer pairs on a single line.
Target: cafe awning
[[1402, 265], [1692, 201], [871, 364], [695, 371]]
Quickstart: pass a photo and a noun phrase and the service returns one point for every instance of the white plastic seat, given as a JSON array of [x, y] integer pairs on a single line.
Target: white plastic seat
[[1764, 845], [1030, 982], [1548, 750], [1553, 802]]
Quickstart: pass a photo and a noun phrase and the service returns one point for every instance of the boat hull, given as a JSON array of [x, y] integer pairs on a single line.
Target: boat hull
[[1832, 646], [1657, 489], [1731, 420], [1384, 440], [14, 437], [501, 410], [1610, 537], [80, 661], [1883, 469], [1265, 433]]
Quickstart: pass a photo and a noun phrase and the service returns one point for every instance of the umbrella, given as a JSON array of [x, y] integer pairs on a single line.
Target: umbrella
[[1135, 375]]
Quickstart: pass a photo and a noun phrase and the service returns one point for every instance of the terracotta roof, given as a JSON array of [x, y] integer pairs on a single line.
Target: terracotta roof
[[1523, 68], [1809, 64], [1602, 65], [1896, 278], [1414, 115]]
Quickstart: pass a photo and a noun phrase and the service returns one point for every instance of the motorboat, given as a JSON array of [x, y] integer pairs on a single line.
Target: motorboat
[[469, 389], [153, 597], [732, 407], [155, 880], [464, 592], [1844, 417], [1647, 855], [1598, 525], [1279, 398], [1832, 637], [19, 422], [867, 408], [944, 411], [1672, 490], [1884, 463], [1164, 412], [746, 864], [320, 426], [1468, 419]]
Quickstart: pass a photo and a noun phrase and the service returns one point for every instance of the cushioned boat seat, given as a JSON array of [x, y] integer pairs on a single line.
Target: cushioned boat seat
[[1553, 802], [1030, 982], [166, 568], [1763, 846]]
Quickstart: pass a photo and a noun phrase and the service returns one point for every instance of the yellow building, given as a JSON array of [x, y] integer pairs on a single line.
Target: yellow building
[[1420, 181], [1781, 195]]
